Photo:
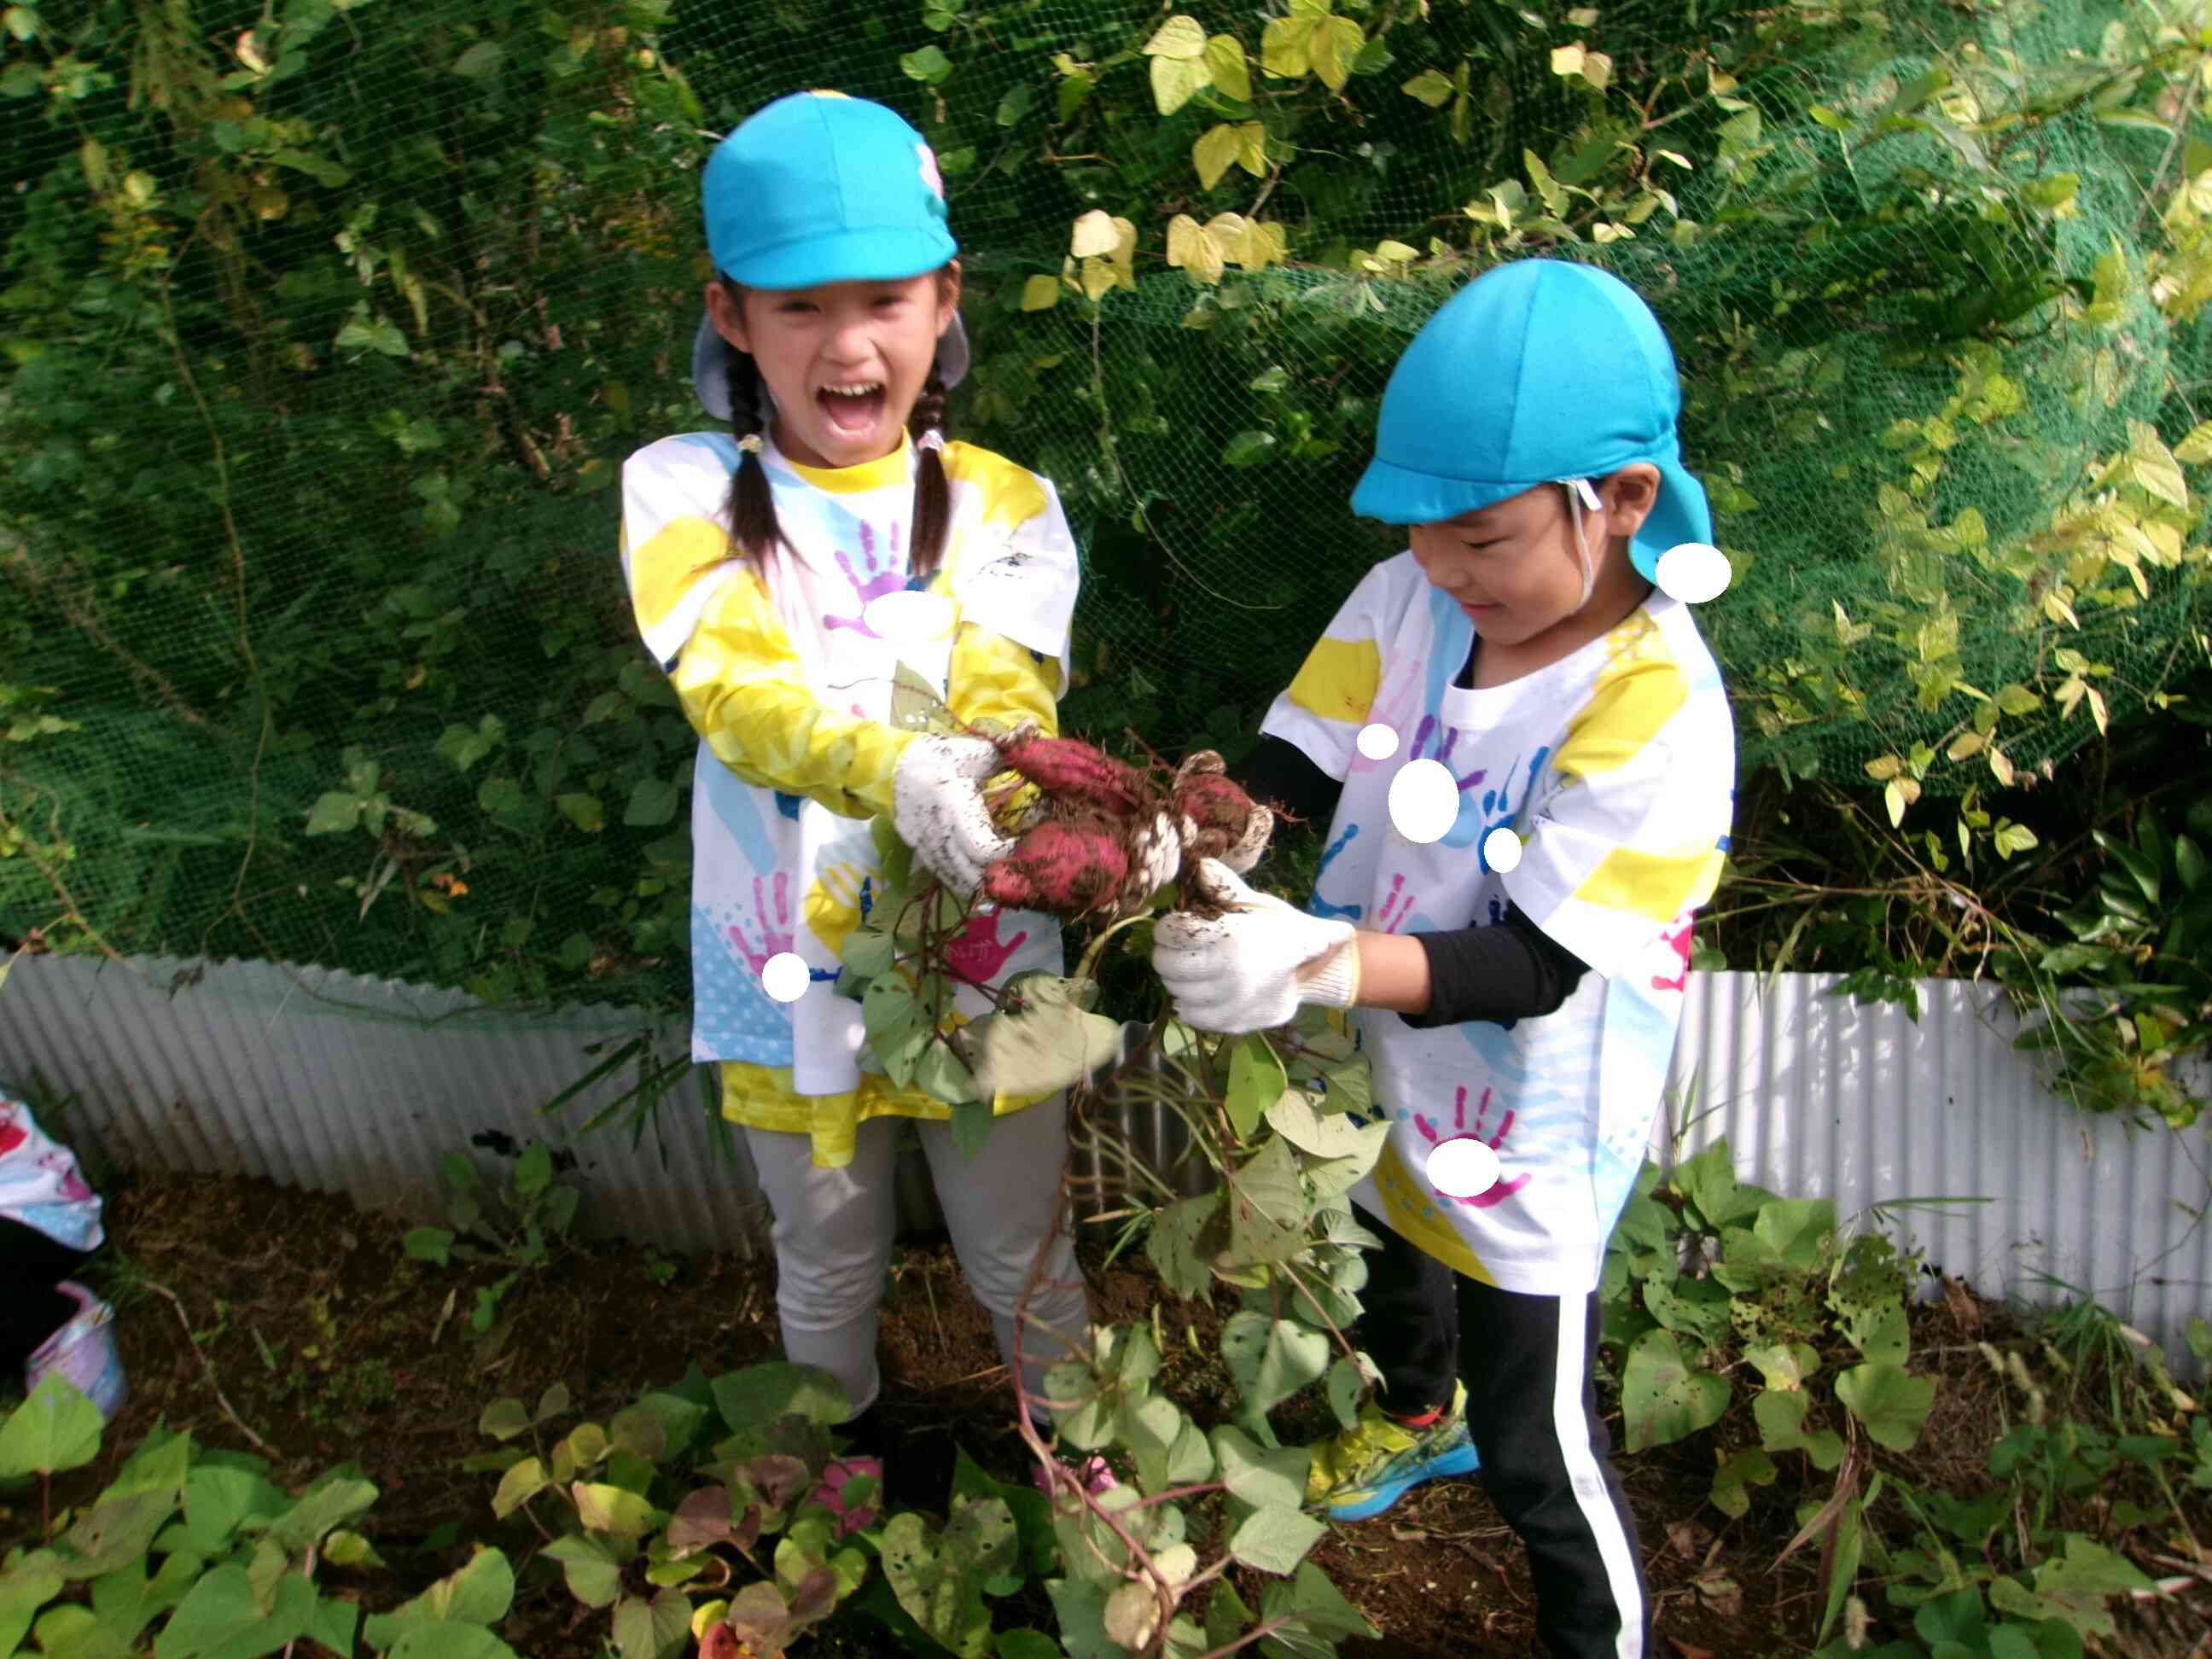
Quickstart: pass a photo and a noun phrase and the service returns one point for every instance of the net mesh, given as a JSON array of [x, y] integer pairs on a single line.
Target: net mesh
[[329, 326]]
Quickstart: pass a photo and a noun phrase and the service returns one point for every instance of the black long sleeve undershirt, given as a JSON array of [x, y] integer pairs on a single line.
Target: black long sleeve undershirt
[[1506, 970]]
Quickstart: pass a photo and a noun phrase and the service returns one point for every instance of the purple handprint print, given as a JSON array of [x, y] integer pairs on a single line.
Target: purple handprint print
[[1427, 746], [1425, 734], [1504, 1190], [874, 577]]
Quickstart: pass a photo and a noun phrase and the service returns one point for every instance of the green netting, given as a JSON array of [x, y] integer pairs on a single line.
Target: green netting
[[329, 326]]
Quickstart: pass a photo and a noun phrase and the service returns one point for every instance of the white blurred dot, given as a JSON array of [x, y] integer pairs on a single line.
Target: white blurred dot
[[1501, 849], [784, 976], [1377, 742], [1423, 801], [1693, 573], [909, 616], [1464, 1168]]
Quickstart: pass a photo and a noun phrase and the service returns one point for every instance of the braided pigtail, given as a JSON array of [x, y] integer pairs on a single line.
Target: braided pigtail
[[753, 528], [932, 490]]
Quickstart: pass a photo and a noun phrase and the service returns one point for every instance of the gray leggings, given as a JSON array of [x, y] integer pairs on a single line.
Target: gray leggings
[[833, 1240]]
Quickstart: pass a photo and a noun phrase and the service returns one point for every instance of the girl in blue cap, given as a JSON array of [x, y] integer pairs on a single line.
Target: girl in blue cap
[[1525, 759], [782, 575]]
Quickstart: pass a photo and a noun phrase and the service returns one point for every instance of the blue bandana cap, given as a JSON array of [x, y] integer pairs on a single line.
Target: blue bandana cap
[[1536, 372], [815, 188]]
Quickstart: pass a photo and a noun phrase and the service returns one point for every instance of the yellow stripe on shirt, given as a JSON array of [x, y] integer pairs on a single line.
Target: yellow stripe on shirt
[[1638, 692], [1009, 494], [1659, 886], [1413, 1214], [745, 691], [1338, 679]]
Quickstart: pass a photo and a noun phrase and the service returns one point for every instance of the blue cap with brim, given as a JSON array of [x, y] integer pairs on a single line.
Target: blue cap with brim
[[1535, 372], [817, 188]]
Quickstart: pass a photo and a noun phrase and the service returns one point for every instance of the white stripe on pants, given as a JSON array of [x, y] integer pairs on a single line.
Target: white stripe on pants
[[834, 1227], [1597, 1498]]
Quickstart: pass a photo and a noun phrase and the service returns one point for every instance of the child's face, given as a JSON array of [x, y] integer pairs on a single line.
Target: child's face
[[844, 362], [1514, 567]]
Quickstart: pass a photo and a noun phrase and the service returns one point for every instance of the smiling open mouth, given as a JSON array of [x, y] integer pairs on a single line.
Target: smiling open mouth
[[854, 408]]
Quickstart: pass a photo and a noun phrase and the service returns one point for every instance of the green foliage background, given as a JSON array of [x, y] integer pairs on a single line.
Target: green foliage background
[[328, 325]]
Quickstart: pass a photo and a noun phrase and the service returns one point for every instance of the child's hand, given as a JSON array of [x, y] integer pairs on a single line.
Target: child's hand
[[939, 810], [1241, 971]]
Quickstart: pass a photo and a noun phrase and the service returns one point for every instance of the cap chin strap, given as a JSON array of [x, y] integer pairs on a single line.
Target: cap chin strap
[[1581, 496]]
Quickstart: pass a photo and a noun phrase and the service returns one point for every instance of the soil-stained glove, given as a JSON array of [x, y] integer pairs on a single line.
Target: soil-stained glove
[[1157, 860], [939, 810], [1249, 969], [1219, 820]]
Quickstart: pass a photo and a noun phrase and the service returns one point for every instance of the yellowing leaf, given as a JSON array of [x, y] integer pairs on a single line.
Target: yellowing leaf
[[1555, 199], [1336, 42], [1214, 153], [1566, 60], [1098, 276], [1191, 250], [1176, 80], [1094, 233], [1286, 47], [1264, 244], [2154, 466], [1233, 76], [1041, 292], [1252, 149], [2196, 449], [1884, 768], [1597, 69], [1180, 37]]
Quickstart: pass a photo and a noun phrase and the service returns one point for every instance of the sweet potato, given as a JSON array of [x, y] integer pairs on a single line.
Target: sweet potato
[[1074, 773], [1066, 870]]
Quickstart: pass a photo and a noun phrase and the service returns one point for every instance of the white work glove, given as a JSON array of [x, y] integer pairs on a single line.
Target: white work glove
[[1246, 853], [1159, 860], [1249, 970], [939, 810]]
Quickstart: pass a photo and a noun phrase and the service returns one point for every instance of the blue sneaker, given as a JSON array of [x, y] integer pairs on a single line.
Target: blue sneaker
[[1369, 1468]]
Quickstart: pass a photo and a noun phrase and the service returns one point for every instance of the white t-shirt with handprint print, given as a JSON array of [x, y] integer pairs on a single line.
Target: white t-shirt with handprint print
[[789, 664], [1615, 768]]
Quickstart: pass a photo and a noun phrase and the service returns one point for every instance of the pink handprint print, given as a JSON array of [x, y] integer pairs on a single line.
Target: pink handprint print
[[63, 1168], [874, 578], [1396, 907], [978, 955], [775, 936], [1678, 938], [1504, 1190]]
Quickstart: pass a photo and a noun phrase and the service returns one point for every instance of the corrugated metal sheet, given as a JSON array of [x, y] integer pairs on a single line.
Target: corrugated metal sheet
[[1940, 1131], [335, 1083]]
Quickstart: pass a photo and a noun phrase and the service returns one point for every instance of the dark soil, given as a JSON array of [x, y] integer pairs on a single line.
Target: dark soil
[[333, 1346]]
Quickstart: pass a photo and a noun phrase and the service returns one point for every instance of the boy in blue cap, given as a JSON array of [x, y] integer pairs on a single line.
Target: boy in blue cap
[[1526, 760]]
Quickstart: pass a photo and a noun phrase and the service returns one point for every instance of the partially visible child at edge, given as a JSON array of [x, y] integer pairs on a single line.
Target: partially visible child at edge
[[50, 1325], [1524, 1006], [780, 576]]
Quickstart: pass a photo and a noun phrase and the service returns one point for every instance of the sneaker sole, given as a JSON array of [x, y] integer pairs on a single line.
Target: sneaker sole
[[1460, 1461]]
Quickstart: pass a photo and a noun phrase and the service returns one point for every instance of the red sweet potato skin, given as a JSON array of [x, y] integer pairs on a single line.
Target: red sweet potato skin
[[1066, 870], [1075, 773]]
